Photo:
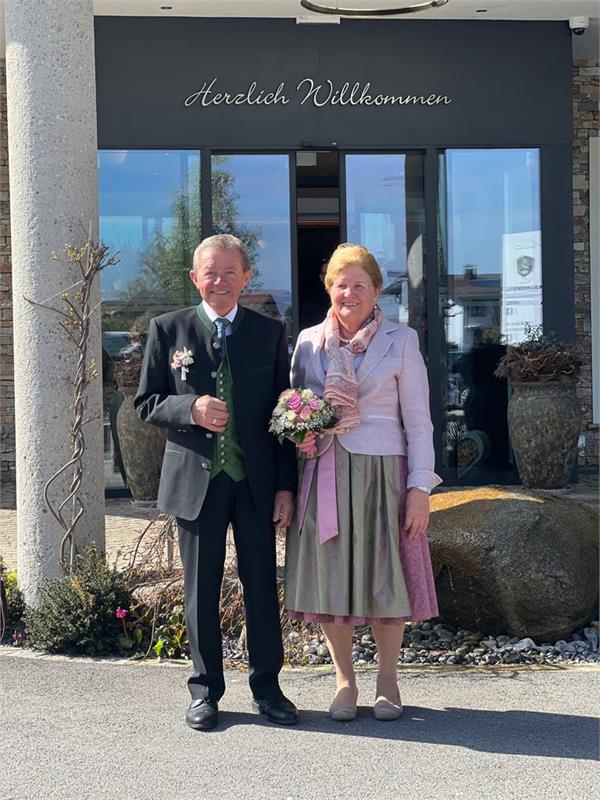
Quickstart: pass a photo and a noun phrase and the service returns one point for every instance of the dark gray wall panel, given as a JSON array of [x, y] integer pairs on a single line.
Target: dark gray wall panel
[[510, 82]]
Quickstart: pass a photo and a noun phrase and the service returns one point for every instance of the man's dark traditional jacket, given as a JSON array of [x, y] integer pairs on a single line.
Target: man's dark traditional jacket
[[258, 359]]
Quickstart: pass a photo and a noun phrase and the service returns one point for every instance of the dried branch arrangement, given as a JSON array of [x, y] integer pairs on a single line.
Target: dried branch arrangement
[[540, 357], [75, 313], [128, 367]]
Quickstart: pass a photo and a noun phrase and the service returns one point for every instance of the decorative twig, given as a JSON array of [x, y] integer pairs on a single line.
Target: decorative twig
[[90, 259], [164, 531]]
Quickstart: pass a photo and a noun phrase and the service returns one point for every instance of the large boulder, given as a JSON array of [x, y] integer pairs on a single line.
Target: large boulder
[[515, 561]]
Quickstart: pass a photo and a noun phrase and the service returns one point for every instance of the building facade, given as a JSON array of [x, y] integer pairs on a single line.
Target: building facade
[[458, 152]]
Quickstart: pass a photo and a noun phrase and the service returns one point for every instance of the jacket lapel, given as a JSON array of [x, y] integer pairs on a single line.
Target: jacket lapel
[[378, 347], [318, 343], [205, 341], [241, 349]]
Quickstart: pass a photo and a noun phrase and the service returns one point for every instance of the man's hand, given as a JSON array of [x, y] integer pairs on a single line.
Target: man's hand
[[416, 517], [283, 509], [210, 412]]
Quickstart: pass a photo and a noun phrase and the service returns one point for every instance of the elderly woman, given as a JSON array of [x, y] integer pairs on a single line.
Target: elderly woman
[[357, 551]]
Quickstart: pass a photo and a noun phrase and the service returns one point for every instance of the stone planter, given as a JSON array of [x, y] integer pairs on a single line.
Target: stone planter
[[544, 420], [142, 445]]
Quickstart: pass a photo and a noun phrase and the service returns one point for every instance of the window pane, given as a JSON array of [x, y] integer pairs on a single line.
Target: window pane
[[251, 200], [490, 289], [150, 213], [385, 212]]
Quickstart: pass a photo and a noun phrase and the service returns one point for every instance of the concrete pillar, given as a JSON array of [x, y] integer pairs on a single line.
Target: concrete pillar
[[51, 106]]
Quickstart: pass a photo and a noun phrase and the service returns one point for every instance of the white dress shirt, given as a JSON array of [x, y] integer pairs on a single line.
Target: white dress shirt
[[212, 314]]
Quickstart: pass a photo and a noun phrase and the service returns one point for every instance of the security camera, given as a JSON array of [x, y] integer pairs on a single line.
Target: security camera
[[579, 25]]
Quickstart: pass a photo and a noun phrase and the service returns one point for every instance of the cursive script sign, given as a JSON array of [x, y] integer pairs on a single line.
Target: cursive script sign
[[309, 91]]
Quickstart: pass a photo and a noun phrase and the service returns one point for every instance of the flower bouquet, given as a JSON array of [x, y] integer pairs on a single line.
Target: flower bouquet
[[299, 411]]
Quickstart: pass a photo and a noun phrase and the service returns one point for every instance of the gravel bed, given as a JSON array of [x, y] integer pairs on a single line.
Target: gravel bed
[[430, 643]]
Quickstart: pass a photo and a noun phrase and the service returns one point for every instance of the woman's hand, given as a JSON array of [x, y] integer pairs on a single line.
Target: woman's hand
[[416, 516], [309, 445], [283, 509]]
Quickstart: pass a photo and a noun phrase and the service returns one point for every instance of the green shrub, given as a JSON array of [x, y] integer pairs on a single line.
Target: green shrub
[[12, 606], [78, 612], [158, 625], [171, 638]]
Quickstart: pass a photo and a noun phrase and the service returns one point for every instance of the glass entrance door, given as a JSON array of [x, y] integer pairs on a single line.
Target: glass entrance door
[[251, 199]]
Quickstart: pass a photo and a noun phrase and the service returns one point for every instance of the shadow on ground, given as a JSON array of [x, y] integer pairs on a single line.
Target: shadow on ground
[[511, 732]]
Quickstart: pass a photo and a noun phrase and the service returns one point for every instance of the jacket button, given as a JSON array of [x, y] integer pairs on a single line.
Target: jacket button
[[205, 465], [213, 374], [209, 435]]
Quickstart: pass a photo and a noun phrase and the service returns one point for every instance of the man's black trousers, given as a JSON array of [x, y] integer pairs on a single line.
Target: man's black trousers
[[202, 547]]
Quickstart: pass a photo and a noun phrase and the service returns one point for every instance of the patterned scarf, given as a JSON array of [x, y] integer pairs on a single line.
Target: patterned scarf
[[341, 384]]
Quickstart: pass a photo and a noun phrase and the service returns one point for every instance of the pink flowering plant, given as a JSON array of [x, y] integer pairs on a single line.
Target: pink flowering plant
[[132, 634], [299, 411]]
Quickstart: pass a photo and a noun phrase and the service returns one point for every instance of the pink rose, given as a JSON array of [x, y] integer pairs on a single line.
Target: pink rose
[[315, 404], [305, 413], [294, 403]]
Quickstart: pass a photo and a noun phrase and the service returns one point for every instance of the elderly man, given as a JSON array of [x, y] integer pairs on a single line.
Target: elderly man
[[212, 375]]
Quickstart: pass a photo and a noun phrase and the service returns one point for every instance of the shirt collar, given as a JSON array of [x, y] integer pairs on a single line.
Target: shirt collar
[[212, 315]]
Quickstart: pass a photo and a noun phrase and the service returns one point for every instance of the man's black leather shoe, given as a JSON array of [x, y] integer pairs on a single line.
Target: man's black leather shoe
[[276, 709], [202, 715]]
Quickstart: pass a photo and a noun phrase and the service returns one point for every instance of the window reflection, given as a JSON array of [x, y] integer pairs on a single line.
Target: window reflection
[[490, 288], [385, 212], [150, 213], [251, 200]]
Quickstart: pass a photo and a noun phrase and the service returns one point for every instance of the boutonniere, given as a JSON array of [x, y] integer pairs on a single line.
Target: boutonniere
[[182, 359]]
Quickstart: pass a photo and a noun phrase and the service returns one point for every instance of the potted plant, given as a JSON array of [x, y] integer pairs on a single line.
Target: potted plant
[[142, 446], [544, 412]]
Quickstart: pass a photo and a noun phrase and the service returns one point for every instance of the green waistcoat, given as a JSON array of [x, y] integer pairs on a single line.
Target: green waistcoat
[[228, 455]]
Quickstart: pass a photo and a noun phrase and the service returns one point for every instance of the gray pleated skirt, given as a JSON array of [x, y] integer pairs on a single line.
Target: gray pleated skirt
[[369, 572]]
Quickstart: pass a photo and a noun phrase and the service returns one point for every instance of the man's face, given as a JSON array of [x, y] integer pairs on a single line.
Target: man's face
[[219, 277]]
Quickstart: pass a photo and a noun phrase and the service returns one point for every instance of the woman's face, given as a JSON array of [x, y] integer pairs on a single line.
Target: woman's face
[[353, 296]]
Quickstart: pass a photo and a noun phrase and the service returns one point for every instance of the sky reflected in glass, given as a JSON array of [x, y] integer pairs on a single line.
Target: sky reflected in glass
[[142, 193], [490, 293], [251, 199]]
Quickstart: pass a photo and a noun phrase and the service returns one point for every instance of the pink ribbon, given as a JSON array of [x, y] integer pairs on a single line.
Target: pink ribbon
[[326, 494]]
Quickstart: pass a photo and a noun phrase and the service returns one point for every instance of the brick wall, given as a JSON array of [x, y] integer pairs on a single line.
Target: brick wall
[[7, 403], [585, 124]]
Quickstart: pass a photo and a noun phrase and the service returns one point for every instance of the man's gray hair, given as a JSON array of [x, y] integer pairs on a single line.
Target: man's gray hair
[[224, 241]]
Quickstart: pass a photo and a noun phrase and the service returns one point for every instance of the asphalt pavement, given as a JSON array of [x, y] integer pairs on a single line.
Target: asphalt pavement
[[89, 730]]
